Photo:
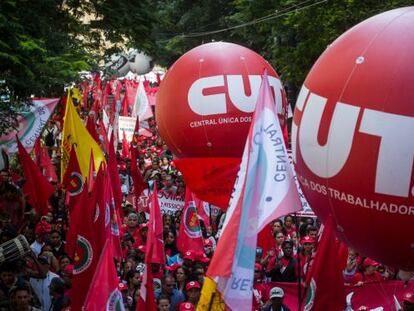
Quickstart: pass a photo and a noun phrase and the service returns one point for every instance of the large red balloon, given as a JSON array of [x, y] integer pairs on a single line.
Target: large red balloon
[[206, 100], [353, 137]]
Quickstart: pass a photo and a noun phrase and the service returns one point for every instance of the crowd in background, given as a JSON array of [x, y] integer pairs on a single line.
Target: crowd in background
[[42, 280]]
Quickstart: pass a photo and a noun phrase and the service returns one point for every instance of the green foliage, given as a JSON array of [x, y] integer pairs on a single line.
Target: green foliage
[[290, 34]]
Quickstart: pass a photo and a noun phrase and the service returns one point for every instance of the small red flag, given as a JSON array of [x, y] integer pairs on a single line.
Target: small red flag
[[37, 188], [91, 127], [125, 146], [114, 175], [73, 181], [190, 237], [155, 231]]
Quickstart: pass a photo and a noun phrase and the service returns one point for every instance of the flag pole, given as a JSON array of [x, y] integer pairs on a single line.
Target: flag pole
[[298, 263]]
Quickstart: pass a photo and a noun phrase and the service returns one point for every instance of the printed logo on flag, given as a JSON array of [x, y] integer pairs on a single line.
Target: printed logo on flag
[[75, 185], [114, 302], [83, 255], [191, 223], [310, 297]]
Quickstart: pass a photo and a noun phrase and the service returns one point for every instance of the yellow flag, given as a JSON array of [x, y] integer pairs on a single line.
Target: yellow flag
[[210, 298], [76, 94], [75, 133]]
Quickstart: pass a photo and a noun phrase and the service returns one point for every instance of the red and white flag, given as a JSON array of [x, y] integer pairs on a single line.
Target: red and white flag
[[190, 236], [103, 293], [262, 192]]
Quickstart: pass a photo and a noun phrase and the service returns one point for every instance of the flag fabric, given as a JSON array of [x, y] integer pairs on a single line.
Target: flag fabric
[[262, 191], [141, 108], [325, 282], [103, 293], [204, 183], [73, 181], [46, 165], [155, 231], [31, 123], [203, 210], [86, 249], [190, 236], [75, 133], [103, 135], [146, 299], [37, 188], [138, 181], [91, 173], [114, 175], [91, 127], [125, 146]]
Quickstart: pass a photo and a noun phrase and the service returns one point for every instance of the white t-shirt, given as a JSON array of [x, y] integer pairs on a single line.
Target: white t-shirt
[[41, 289]]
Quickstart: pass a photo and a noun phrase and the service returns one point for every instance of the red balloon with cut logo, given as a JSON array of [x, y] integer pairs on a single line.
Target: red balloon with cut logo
[[204, 110], [352, 137]]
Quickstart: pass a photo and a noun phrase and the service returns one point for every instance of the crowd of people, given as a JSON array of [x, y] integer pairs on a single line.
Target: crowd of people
[[41, 280]]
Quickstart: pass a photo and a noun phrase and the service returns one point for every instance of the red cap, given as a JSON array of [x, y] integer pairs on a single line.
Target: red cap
[[140, 248], [409, 297], [258, 266], [186, 306], [69, 269], [189, 255], [307, 239], [192, 284], [122, 287], [208, 242], [369, 262], [43, 227], [202, 257], [173, 267]]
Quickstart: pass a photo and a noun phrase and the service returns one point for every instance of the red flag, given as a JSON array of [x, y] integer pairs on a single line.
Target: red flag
[[92, 173], [190, 237], [103, 293], [86, 251], [101, 195], [47, 167], [155, 231], [203, 210], [213, 180], [91, 127], [36, 188], [138, 180], [146, 300], [114, 175], [104, 134], [73, 180], [325, 282], [125, 146], [125, 105], [37, 149]]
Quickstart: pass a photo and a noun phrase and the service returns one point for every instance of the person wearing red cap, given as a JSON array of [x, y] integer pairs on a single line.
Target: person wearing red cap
[[193, 291], [305, 255], [408, 301], [42, 231], [369, 273], [259, 289]]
